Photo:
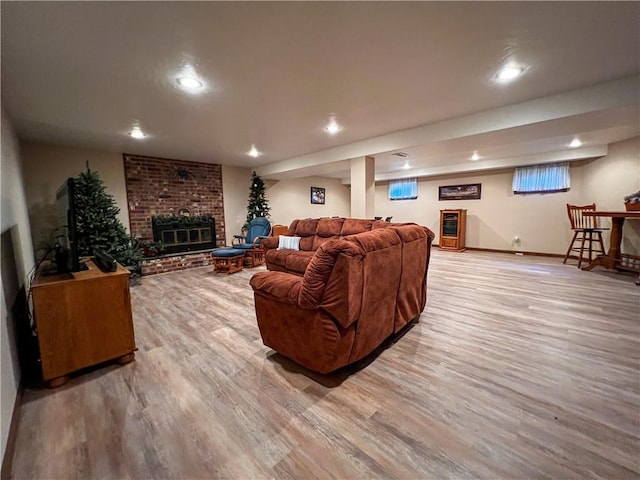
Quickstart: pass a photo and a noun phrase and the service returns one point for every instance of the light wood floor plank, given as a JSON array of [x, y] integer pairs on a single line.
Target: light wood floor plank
[[520, 367]]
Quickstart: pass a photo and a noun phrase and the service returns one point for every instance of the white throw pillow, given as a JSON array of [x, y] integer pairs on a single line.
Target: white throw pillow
[[288, 243]]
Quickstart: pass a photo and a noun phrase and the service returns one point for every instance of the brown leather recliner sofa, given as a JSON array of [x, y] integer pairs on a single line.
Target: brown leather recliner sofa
[[355, 290], [313, 232]]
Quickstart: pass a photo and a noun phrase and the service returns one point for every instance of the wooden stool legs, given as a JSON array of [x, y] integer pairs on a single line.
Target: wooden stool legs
[[587, 237]]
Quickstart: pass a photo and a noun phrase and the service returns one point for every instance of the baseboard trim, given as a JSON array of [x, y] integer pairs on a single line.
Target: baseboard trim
[[7, 459], [496, 250]]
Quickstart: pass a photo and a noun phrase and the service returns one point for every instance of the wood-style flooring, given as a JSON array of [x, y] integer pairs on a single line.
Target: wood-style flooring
[[520, 367]]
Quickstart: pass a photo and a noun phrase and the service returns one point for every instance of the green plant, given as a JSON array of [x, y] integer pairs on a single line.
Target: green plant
[[97, 224], [258, 205], [152, 249], [180, 219]]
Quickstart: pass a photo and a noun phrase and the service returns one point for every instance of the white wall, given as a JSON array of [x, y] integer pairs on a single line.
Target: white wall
[[236, 182], [608, 180], [46, 167], [539, 220], [15, 224], [493, 221], [291, 199]]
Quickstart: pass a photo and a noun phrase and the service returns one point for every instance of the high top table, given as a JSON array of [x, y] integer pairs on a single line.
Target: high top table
[[614, 258]]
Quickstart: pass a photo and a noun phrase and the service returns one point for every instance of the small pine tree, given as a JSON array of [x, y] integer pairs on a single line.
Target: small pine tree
[[258, 205], [97, 224]]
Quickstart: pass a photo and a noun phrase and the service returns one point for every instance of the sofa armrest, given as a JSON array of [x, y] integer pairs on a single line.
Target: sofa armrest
[[280, 286], [269, 243]]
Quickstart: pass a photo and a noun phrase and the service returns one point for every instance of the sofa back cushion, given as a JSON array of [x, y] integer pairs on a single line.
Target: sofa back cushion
[[305, 227], [320, 268], [352, 226], [329, 227]]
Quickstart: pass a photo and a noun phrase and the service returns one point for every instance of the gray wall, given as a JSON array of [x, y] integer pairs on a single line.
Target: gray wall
[[17, 263]]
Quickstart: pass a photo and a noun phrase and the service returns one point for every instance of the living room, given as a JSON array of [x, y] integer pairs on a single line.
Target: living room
[[520, 366]]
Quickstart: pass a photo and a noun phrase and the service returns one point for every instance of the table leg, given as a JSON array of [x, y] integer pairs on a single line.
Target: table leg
[[613, 255]]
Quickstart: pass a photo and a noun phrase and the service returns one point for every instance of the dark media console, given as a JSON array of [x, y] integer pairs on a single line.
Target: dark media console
[[83, 319]]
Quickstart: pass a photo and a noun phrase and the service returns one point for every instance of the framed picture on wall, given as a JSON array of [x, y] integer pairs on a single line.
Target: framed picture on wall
[[460, 192], [317, 195]]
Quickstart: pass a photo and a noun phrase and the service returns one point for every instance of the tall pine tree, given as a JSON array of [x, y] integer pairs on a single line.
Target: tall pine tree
[[258, 205], [97, 224]]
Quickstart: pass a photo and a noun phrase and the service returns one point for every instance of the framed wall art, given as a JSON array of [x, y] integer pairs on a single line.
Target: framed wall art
[[317, 195], [470, 191]]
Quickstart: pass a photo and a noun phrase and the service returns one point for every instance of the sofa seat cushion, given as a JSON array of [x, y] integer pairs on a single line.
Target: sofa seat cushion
[[298, 262], [293, 260]]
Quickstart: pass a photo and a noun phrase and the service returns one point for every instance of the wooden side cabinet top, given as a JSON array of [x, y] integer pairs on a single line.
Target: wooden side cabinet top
[[453, 226], [82, 318]]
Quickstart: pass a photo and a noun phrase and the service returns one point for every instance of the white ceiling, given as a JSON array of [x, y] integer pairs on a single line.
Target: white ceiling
[[400, 76]]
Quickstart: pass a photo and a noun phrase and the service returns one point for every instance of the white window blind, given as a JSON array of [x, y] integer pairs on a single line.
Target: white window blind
[[552, 177], [404, 189]]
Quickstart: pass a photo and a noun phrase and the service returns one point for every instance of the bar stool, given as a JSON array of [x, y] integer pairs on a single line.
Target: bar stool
[[583, 230]]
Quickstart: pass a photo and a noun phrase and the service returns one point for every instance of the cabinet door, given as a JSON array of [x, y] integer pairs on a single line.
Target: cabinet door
[[83, 323], [450, 224]]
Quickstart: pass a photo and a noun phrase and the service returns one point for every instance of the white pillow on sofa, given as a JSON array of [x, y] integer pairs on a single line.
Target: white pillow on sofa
[[288, 243]]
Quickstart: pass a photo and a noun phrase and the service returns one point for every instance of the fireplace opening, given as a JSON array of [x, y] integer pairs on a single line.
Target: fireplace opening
[[184, 234]]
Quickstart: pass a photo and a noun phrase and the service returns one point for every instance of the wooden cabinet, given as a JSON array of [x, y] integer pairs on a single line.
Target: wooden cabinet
[[453, 225], [82, 319]]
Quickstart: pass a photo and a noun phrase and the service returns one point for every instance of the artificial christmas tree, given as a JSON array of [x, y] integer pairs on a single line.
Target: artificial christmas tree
[[258, 205], [97, 224]]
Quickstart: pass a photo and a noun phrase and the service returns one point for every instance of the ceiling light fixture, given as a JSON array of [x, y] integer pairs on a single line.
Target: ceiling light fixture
[[575, 143], [475, 156], [406, 166], [189, 83], [254, 152], [137, 133], [332, 127], [509, 72]]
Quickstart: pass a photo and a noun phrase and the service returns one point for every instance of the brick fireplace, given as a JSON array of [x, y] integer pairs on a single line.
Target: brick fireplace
[[164, 187]]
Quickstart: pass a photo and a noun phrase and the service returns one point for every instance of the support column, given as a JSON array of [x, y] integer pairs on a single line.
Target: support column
[[363, 187]]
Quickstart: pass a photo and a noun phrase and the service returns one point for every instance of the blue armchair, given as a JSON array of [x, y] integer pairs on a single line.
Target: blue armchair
[[257, 229]]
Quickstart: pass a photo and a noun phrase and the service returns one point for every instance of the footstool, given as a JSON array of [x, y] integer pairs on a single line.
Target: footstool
[[227, 260]]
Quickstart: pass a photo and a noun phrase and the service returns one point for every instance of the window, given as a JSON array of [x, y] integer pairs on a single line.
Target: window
[[553, 177], [405, 189]]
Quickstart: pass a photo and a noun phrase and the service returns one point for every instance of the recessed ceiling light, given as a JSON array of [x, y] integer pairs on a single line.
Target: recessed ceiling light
[[189, 83], [475, 156], [332, 127], [406, 166], [575, 143], [509, 72], [254, 152], [137, 133]]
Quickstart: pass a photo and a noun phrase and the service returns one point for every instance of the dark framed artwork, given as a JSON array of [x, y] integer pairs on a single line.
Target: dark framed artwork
[[470, 191], [317, 195]]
